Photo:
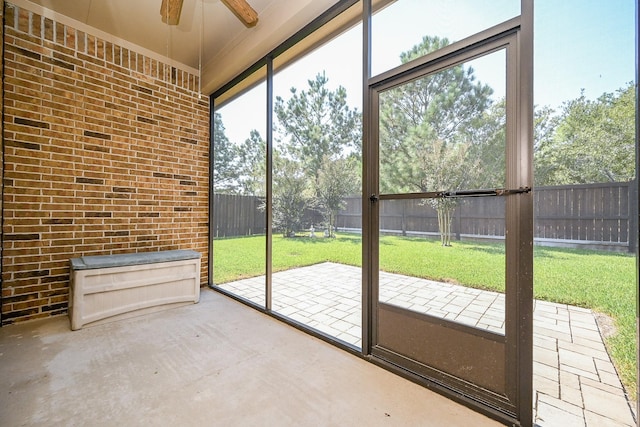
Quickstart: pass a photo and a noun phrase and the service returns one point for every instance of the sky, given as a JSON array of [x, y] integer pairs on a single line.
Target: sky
[[578, 44]]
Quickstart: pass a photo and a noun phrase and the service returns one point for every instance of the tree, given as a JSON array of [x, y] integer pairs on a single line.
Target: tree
[[337, 179], [251, 165], [224, 159], [292, 195], [316, 123], [317, 130], [438, 161], [488, 147], [428, 128], [545, 122], [594, 141]]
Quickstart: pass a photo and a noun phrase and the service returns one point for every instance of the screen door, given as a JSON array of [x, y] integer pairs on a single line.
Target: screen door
[[451, 303]]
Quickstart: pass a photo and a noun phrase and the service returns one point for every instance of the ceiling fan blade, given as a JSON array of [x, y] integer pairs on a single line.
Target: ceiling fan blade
[[170, 11], [243, 11]]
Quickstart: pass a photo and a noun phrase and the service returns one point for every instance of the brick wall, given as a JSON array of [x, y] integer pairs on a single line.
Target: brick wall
[[106, 151]]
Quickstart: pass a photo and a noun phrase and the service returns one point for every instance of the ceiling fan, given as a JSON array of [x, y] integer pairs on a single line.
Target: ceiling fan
[[170, 11]]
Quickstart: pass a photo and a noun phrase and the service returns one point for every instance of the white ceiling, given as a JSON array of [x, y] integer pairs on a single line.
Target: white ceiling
[[228, 47]]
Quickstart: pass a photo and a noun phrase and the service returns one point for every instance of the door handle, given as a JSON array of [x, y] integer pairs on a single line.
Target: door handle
[[483, 193], [374, 198]]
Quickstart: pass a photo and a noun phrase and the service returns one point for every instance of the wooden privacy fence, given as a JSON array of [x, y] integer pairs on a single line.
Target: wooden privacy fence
[[235, 215], [592, 212], [597, 215]]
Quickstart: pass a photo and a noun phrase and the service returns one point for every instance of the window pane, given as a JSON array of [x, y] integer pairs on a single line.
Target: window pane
[[463, 281], [584, 92], [445, 257], [239, 176], [584, 167], [316, 189], [404, 24], [445, 131]]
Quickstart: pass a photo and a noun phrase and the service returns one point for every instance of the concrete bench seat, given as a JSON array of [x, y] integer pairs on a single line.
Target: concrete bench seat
[[105, 288]]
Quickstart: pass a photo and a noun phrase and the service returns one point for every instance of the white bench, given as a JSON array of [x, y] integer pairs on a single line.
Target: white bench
[[105, 288]]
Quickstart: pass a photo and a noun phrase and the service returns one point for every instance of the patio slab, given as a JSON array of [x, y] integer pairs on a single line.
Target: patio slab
[[575, 380]]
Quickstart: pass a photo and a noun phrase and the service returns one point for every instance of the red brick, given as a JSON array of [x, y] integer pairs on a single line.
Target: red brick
[[84, 183]]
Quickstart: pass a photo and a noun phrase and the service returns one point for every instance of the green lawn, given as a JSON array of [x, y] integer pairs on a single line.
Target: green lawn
[[601, 281]]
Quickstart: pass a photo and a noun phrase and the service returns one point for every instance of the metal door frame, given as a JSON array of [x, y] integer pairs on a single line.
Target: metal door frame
[[515, 404]]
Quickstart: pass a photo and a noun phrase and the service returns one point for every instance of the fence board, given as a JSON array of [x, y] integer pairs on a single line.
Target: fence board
[[587, 213], [235, 215]]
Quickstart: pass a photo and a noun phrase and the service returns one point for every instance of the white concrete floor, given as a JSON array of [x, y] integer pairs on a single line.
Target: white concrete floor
[[214, 363]]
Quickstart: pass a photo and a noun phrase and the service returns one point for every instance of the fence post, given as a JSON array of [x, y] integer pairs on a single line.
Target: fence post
[[404, 217], [458, 222], [633, 215]]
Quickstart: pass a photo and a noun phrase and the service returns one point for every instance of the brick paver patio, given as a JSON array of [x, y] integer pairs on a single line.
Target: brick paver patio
[[574, 379]]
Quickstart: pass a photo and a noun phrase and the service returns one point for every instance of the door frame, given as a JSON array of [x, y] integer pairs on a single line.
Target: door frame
[[515, 406]]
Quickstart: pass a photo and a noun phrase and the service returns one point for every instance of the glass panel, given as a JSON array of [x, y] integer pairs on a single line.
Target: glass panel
[[239, 176], [584, 166], [445, 132], [408, 29], [316, 189], [463, 281]]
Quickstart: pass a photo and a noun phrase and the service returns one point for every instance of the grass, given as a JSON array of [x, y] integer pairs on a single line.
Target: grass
[[601, 281], [239, 258]]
